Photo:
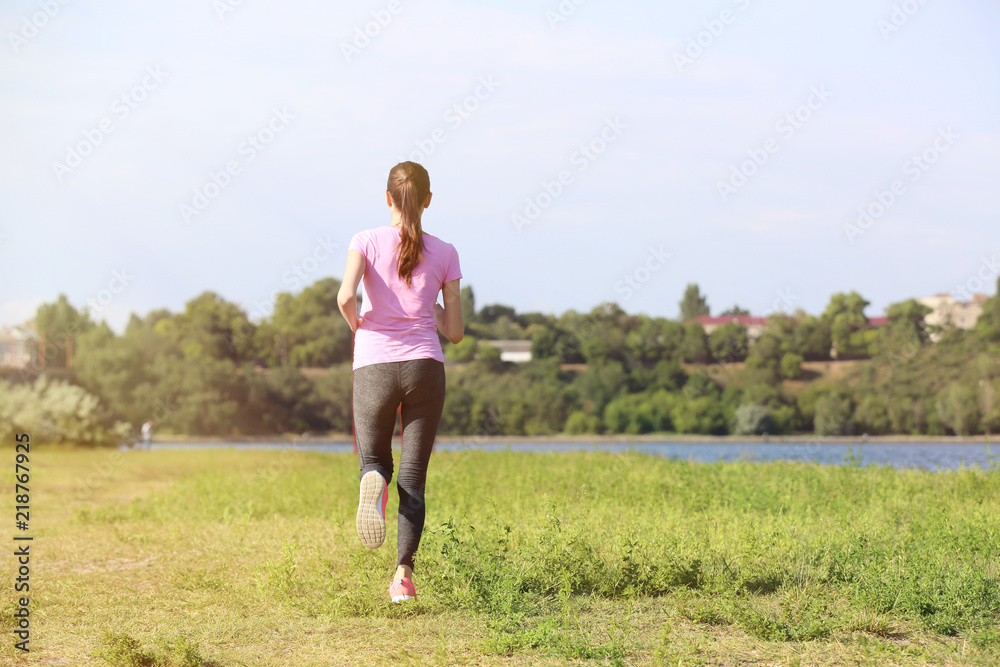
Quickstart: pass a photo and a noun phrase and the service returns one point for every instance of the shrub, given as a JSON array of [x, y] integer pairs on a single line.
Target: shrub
[[791, 366], [753, 419], [55, 411], [833, 415]]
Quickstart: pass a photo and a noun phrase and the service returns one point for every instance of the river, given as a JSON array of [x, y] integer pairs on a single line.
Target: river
[[925, 455]]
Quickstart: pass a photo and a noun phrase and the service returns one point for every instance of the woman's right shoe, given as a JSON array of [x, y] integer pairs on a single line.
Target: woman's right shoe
[[371, 509], [401, 590]]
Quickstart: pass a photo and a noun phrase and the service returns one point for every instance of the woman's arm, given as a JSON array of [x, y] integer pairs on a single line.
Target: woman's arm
[[449, 318], [347, 297]]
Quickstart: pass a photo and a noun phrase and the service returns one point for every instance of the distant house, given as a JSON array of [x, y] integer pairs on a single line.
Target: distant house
[[947, 312], [517, 351], [18, 347], [754, 325]]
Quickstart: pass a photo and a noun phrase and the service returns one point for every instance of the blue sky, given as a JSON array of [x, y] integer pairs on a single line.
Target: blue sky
[[726, 143]]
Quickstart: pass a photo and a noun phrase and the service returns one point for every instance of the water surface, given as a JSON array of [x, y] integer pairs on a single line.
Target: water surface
[[930, 456]]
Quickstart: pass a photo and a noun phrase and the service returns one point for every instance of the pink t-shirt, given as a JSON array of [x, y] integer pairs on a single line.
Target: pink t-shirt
[[397, 322]]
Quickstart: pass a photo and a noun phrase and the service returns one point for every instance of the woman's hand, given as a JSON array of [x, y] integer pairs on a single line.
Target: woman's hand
[[449, 317], [347, 295]]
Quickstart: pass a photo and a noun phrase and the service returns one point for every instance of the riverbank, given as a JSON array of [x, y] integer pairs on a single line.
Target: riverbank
[[616, 438]]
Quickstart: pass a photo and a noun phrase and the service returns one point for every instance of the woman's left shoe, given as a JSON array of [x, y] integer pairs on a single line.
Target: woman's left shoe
[[371, 509], [401, 590]]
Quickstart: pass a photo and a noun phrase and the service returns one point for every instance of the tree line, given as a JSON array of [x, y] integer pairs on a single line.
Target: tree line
[[209, 370]]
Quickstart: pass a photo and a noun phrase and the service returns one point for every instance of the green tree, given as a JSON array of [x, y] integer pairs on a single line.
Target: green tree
[[702, 414], [729, 343], [464, 351], [60, 324], [791, 366], [653, 340], [847, 321], [812, 339], [872, 415], [693, 304], [335, 394], [309, 328], [639, 413], [488, 357], [603, 333], [906, 321], [468, 306], [989, 405], [694, 346], [646, 345], [783, 327], [601, 382], [958, 407], [492, 313], [735, 310], [833, 415], [210, 328], [546, 343], [580, 422], [127, 371], [765, 357], [988, 324]]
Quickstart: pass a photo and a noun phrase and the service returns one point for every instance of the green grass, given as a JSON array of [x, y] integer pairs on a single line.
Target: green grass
[[224, 557]]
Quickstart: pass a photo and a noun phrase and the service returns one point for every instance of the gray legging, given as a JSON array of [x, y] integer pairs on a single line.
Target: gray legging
[[378, 390]]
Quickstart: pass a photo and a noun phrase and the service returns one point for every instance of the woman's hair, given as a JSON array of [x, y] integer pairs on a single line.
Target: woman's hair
[[409, 184]]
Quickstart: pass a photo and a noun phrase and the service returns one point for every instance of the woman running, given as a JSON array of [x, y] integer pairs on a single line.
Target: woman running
[[398, 359]]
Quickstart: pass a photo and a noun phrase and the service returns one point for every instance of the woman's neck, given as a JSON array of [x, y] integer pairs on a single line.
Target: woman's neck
[[397, 223]]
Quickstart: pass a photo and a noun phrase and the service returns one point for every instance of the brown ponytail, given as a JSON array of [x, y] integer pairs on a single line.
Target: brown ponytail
[[409, 184]]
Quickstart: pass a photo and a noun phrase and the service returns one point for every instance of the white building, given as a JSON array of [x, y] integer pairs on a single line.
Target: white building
[[18, 347], [947, 312], [518, 351]]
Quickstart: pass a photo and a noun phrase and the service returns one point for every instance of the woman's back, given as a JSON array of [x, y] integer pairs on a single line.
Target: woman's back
[[398, 320]]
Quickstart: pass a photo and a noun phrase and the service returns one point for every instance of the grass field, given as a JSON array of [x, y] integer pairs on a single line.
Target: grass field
[[225, 557]]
